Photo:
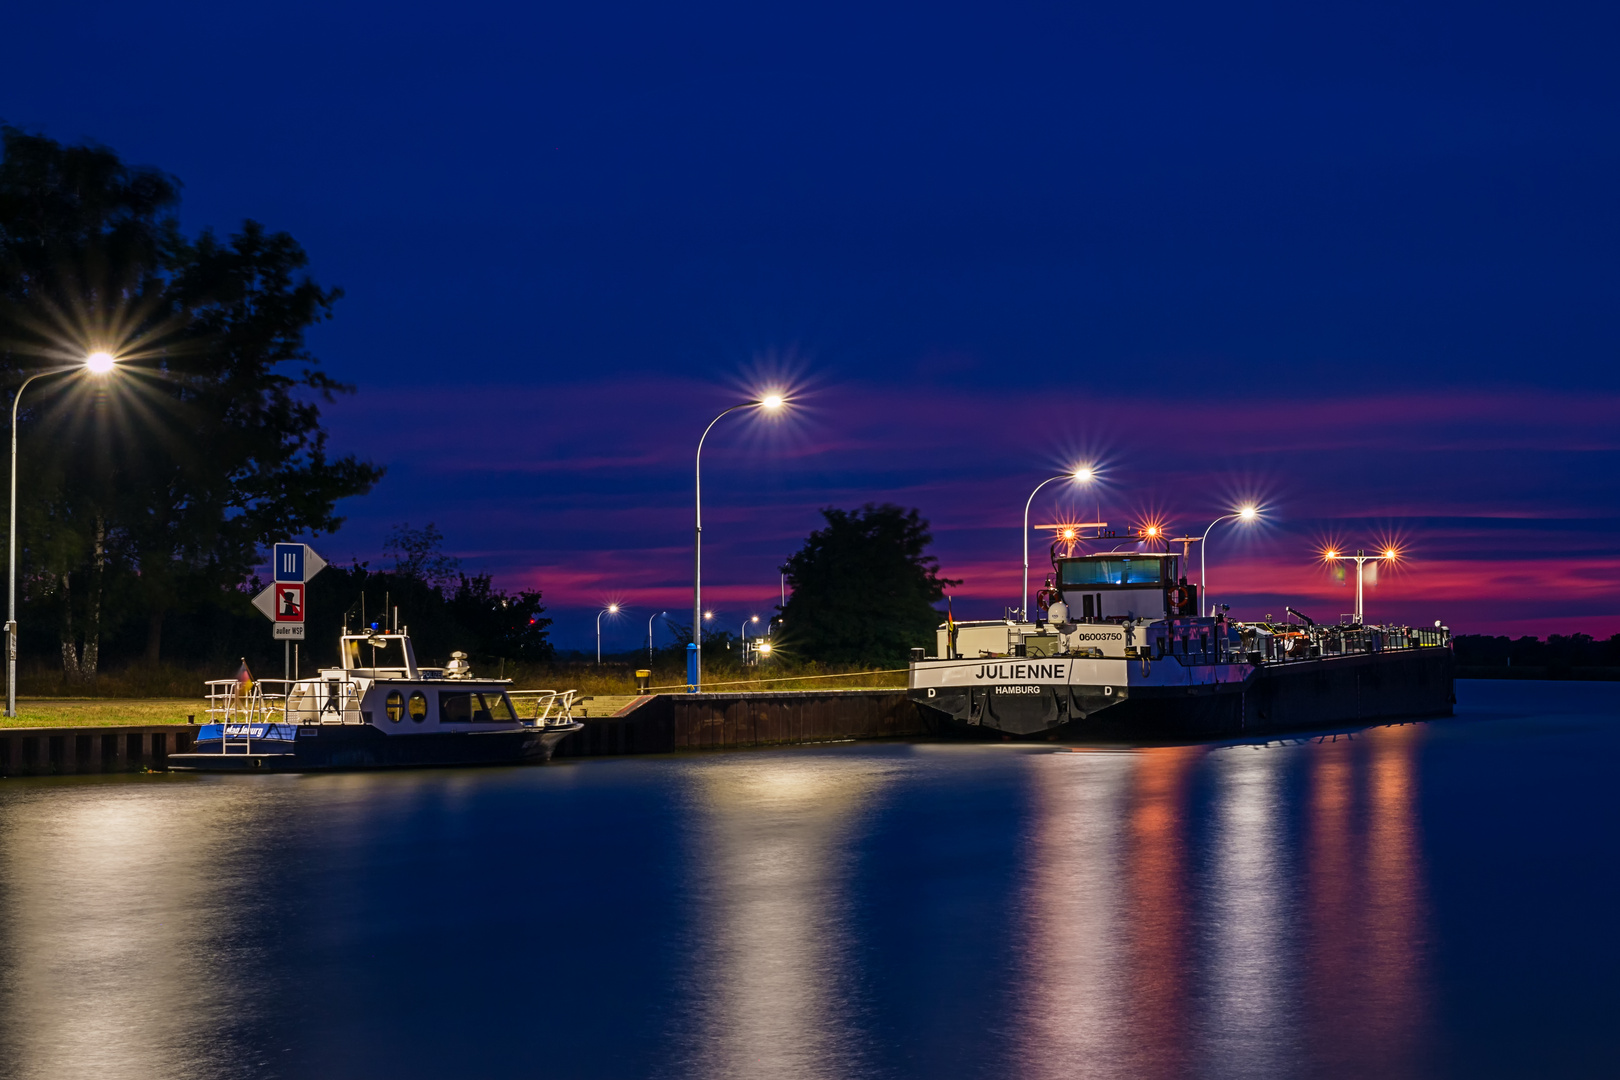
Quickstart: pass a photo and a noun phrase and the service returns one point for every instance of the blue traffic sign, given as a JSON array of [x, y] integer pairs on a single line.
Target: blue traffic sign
[[289, 562]]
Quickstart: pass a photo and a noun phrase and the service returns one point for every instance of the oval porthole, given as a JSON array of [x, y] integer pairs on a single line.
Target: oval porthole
[[418, 707], [395, 706]]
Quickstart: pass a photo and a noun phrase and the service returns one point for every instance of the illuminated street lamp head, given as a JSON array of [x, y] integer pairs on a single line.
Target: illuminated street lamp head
[[99, 362], [1389, 553], [1330, 554], [613, 609], [708, 614], [771, 402], [1083, 473], [1248, 513], [754, 619]]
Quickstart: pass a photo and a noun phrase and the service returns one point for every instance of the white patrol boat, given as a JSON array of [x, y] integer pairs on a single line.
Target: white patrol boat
[[1120, 651], [378, 710]]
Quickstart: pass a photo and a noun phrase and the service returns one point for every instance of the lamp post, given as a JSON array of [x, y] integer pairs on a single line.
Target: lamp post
[[1247, 513], [1361, 558], [97, 363], [611, 609], [650, 619], [694, 651], [752, 619], [1080, 476]]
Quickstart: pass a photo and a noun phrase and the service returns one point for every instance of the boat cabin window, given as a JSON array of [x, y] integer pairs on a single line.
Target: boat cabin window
[[395, 706], [470, 708], [1137, 570], [418, 707], [389, 654]]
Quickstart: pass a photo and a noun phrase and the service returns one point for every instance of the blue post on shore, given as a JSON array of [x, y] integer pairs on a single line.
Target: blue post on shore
[[691, 667]]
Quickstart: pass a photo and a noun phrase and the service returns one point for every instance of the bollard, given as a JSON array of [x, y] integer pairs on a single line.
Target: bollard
[[643, 680]]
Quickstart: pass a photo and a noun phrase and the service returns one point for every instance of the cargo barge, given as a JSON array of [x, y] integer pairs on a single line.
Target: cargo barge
[[1120, 649]]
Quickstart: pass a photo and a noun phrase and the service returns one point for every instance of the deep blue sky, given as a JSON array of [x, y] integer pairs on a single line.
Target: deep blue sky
[[1360, 263]]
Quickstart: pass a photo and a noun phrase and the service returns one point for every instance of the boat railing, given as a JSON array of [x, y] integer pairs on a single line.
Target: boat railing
[[238, 705], [1355, 640], [544, 708]]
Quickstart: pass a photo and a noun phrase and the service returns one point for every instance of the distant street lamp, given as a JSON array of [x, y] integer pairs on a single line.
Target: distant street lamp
[[694, 651], [1361, 558], [1247, 513], [754, 619], [1080, 476], [611, 609], [97, 363], [650, 619]]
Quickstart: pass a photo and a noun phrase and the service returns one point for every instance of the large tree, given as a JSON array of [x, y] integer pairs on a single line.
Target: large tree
[[864, 588], [207, 444]]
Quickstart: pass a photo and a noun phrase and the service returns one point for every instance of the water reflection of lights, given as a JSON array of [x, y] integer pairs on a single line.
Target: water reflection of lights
[[1161, 910], [1366, 996], [108, 967], [1170, 937], [1251, 961], [773, 967], [1071, 1021]]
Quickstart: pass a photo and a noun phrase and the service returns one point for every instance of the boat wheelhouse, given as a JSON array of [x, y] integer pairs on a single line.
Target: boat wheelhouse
[[379, 709]]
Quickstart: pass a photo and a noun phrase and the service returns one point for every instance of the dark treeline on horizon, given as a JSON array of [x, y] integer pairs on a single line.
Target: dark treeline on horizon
[[1558, 653]]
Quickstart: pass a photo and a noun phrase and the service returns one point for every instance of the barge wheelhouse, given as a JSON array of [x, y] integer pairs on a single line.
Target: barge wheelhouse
[[1123, 653], [379, 709]]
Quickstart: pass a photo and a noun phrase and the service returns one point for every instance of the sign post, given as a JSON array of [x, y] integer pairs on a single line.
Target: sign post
[[292, 565]]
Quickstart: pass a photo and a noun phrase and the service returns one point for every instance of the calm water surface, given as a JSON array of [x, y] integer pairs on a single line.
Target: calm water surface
[[1426, 900]]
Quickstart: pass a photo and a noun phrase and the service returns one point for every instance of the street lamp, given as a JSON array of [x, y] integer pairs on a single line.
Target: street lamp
[[1081, 475], [611, 609], [1247, 513], [650, 619], [97, 363], [1361, 558], [694, 651], [754, 619]]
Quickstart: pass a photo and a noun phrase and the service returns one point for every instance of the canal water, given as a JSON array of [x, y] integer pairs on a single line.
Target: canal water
[[1433, 899]]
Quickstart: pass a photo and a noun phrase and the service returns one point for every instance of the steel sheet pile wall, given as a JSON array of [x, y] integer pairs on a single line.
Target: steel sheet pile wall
[[51, 751], [669, 722], [714, 721]]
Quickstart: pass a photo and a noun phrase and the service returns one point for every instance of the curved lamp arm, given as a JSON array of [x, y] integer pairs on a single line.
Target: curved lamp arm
[[1203, 545], [697, 541], [1023, 600], [11, 545]]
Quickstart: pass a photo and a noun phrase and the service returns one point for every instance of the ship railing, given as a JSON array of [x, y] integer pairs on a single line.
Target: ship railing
[[544, 708], [237, 706], [1358, 640]]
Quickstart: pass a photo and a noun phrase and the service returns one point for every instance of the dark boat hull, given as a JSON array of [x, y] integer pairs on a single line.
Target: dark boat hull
[[362, 746], [1335, 691]]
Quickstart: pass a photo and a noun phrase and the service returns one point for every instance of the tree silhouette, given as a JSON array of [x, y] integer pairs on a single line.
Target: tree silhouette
[[864, 588]]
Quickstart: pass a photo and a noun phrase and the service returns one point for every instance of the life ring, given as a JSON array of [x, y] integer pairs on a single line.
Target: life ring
[[1178, 597]]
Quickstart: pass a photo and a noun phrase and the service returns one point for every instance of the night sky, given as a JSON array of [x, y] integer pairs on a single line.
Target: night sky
[[1358, 264]]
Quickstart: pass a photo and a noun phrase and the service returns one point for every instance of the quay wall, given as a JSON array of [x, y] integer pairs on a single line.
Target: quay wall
[[663, 723], [656, 724], [49, 751]]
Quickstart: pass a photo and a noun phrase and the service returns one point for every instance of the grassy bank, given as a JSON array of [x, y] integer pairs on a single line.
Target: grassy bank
[[102, 711]]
